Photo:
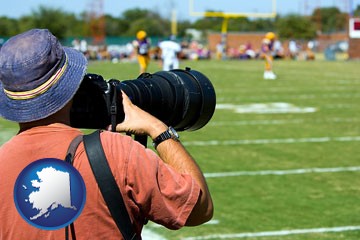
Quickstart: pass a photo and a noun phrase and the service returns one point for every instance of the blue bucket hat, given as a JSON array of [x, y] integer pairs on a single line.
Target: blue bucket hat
[[38, 76]]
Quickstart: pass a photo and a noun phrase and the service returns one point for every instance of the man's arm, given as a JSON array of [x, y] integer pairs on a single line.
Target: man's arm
[[172, 152]]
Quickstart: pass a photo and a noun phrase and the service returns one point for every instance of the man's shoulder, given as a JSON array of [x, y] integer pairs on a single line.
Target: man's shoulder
[[113, 139]]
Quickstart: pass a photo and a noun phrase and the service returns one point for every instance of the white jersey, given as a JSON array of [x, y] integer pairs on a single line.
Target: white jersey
[[169, 51]]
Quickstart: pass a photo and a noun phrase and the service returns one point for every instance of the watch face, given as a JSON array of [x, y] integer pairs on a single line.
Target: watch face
[[174, 133]]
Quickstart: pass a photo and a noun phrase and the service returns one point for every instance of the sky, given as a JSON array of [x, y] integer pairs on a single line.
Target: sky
[[18, 8]]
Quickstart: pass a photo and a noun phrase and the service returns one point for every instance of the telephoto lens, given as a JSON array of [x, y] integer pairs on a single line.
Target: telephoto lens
[[184, 99]]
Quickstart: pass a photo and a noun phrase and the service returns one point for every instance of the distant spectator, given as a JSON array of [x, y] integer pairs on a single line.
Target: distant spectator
[[76, 44], [220, 49], [278, 50], [83, 46], [293, 49], [246, 51], [309, 54]]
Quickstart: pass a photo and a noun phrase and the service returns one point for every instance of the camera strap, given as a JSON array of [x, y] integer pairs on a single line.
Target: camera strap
[[70, 159], [113, 107], [107, 184]]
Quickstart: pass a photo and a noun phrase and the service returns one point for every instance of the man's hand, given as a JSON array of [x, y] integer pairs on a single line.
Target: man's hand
[[138, 121]]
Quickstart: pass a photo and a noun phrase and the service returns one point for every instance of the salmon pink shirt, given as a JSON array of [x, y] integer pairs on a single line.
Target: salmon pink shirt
[[150, 188]]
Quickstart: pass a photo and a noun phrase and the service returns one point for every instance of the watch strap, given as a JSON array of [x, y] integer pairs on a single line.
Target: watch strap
[[168, 134]]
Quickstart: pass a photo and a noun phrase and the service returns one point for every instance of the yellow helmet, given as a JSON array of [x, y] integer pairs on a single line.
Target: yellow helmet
[[141, 34], [270, 36]]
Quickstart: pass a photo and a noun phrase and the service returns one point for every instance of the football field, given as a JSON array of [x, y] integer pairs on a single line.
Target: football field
[[282, 157]]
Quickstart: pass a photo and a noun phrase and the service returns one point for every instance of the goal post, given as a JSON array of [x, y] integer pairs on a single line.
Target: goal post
[[226, 15]]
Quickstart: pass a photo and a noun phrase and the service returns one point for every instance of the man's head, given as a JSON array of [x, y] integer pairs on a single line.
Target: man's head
[[38, 76]]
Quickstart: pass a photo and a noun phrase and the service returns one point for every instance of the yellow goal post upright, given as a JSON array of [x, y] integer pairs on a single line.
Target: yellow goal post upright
[[227, 15]]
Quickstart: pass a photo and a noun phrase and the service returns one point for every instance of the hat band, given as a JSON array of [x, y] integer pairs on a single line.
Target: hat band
[[42, 88]]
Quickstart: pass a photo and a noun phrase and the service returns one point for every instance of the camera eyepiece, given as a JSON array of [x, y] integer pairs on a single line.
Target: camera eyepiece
[[184, 99]]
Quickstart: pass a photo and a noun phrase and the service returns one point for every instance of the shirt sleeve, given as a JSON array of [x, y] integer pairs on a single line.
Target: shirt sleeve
[[165, 196], [155, 190]]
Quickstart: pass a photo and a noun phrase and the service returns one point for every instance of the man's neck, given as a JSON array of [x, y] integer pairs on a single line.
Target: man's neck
[[62, 116], [43, 122]]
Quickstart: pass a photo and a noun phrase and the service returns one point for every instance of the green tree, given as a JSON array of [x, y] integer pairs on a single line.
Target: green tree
[[115, 26], [153, 27], [182, 26], [263, 25], [329, 19], [209, 23], [135, 14], [239, 24], [25, 23], [8, 26], [75, 26], [56, 20], [295, 26], [139, 19]]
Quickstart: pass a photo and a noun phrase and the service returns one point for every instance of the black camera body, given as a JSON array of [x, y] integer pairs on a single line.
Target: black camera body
[[184, 99]]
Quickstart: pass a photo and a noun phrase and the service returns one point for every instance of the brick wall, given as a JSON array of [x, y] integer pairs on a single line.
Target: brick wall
[[354, 48], [234, 40]]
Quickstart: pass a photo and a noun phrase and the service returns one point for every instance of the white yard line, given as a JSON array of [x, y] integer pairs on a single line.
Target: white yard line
[[147, 234], [281, 121], [297, 97], [282, 172], [276, 233], [271, 141]]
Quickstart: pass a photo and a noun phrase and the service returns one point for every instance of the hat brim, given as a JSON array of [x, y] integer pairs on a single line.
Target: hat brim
[[51, 101]]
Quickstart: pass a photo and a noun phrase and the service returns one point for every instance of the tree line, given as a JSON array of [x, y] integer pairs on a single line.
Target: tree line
[[64, 24]]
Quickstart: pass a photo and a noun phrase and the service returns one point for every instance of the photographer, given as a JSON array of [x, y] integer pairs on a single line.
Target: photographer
[[38, 79]]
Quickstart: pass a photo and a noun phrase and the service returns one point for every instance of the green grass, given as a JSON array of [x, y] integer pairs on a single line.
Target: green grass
[[262, 203]]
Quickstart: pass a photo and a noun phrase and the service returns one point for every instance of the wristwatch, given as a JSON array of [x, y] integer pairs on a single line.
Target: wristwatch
[[170, 133]]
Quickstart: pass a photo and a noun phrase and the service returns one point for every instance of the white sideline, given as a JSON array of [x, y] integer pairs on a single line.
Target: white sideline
[[275, 233], [147, 234], [271, 141], [279, 121], [282, 172], [297, 96]]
